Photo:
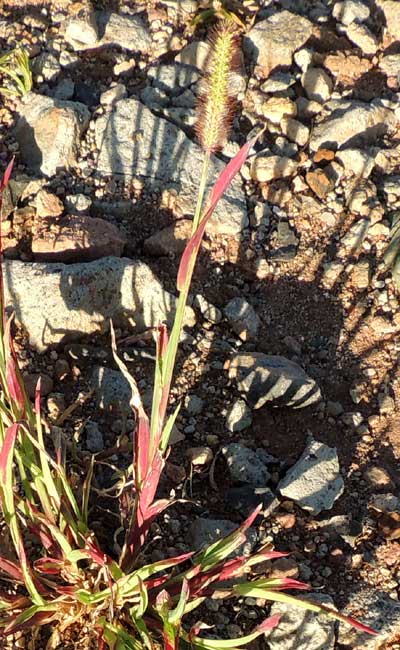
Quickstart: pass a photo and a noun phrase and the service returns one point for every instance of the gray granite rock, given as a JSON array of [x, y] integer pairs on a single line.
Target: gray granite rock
[[272, 42], [133, 142], [243, 318], [59, 302], [239, 416], [314, 482], [263, 378], [48, 132], [112, 390], [245, 466], [376, 609], [351, 124], [302, 629], [102, 28]]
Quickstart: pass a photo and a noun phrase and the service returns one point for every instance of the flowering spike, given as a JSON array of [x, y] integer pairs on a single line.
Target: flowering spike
[[216, 99]]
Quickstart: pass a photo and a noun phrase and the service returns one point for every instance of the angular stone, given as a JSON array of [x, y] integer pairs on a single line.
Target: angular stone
[[48, 132], [317, 84], [320, 182], [57, 302], [375, 608], [272, 42], [133, 142], [302, 629], [124, 31], [314, 482], [275, 108], [245, 466], [350, 11], [112, 390], [361, 36], [265, 168], [203, 532], [391, 10], [243, 318], [171, 239], [75, 239], [351, 124], [48, 204], [390, 64], [266, 378], [239, 416]]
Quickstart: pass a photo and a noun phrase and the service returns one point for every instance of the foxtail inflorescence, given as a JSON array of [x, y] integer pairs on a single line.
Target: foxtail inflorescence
[[216, 98]]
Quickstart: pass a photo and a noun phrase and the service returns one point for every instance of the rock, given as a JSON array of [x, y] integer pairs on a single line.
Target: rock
[[81, 30], [272, 42], [55, 405], [295, 131], [378, 478], [75, 239], [238, 417], [352, 123], [46, 65], [48, 132], [390, 64], [209, 311], [194, 404], [58, 302], [361, 36], [94, 437], [242, 318], [204, 532], [128, 32], [391, 10], [48, 204], [78, 203], [278, 82], [275, 108], [266, 378], [65, 89], [30, 381], [162, 154], [350, 11], [245, 499], [194, 54], [376, 609], [200, 455], [317, 84], [354, 237], [320, 183], [357, 162], [314, 482], [265, 168], [172, 78], [361, 274], [285, 243], [112, 390], [245, 465], [170, 240], [301, 629], [113, 94], [61, 369]]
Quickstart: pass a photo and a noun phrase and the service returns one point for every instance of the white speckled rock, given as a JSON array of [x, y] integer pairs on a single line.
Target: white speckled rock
[[314, 482]]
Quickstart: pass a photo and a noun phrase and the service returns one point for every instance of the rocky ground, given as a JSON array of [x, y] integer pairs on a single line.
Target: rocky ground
[[289, 370]]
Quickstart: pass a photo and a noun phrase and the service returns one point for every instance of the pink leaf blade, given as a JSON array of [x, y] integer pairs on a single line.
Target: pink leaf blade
[[222, 183]]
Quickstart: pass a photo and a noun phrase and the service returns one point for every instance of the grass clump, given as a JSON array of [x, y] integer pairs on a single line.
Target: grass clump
[[68, 581], [15, 67]]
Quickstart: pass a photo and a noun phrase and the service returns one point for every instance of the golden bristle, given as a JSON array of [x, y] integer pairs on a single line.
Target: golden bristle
[[216, 99]]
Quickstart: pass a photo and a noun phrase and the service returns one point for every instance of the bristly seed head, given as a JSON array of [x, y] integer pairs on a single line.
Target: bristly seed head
[[216, 97]]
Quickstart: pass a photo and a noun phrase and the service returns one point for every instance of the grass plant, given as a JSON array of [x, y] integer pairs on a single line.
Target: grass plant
[[15, 67], [63, 579]]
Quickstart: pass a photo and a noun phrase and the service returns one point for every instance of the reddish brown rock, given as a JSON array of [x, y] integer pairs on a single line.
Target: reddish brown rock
[[320, 183], [171, 239], [324, 155], [75, 239], [48, 204]]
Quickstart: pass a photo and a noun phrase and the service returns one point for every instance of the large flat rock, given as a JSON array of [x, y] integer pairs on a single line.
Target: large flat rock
[[133, 142], [57, 302]]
